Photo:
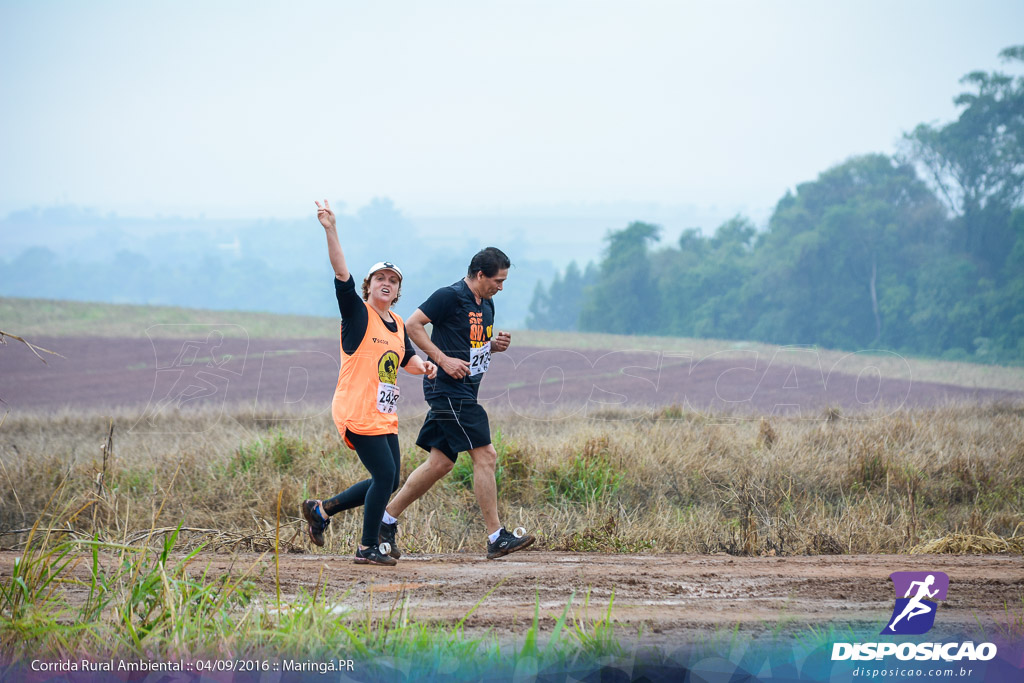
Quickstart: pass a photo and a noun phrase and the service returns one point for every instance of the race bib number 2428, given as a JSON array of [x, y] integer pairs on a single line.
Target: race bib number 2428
[[387, 398]]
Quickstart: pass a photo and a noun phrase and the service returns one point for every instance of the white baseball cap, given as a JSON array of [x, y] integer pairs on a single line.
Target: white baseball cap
[[384, 265]]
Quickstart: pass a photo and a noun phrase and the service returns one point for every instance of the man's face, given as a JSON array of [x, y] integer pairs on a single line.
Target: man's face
[[489, 286]]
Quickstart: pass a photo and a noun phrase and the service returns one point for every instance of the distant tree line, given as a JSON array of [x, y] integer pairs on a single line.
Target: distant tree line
[[277, 266], [921, 253]]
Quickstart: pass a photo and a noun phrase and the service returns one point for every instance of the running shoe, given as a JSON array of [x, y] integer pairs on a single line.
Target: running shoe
[[506, 543], [373, 555], [387, 535], [311, 510]]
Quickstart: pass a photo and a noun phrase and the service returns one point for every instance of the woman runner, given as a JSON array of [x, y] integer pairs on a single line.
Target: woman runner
[[374, 345]]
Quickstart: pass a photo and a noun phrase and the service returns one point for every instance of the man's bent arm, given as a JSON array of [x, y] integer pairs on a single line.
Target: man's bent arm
[[418, 334], [415, 326]]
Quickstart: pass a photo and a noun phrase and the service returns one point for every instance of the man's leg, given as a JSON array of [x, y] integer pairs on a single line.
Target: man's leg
[[419, 482], [485, 459], [500, 541]]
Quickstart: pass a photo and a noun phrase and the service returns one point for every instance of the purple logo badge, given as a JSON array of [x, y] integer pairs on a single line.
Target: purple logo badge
[[916, 596]]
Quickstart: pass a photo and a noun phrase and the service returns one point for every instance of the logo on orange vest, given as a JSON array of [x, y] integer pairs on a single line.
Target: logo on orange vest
[[387, 367], [379, 341]]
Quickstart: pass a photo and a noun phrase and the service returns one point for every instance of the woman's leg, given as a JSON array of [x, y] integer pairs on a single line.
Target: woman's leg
[[352, 497], [396, 455], [377, 453]]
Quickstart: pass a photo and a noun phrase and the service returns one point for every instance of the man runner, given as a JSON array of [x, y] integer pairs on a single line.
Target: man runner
[[460, 344]]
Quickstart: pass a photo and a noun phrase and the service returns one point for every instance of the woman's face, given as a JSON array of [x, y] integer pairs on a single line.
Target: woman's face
[[384, 287]]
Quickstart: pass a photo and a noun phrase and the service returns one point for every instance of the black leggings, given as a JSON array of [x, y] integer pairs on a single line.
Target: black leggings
[[380, 455]]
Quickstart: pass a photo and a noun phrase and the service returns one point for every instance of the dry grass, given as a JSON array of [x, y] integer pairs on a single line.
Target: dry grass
[[673, 481], [971, 544]]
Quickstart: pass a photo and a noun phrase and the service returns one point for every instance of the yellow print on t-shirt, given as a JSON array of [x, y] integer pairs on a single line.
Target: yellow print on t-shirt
[[476, 330]]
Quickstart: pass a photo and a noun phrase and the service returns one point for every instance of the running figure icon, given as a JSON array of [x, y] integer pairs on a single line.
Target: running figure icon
[[916, 607]]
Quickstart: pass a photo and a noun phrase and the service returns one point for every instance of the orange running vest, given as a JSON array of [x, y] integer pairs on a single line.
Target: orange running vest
[[365, 398]]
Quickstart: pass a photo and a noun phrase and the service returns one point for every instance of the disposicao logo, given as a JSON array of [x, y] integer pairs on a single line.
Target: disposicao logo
[[914, 612], [917, 594]]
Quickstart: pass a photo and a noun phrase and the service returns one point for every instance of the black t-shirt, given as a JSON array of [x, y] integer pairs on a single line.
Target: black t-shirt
[[354, 319], [459, 324]]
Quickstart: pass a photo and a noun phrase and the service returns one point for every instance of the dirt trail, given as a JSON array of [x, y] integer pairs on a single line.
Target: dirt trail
[[671, 596]]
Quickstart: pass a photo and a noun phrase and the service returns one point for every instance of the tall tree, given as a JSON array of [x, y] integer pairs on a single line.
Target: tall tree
[[625, 299], [837, 264], [977, 161], [703, 283], [558, 308], [539, 317]]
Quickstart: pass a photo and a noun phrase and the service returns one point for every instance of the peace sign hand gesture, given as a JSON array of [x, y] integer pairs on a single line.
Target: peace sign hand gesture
[[325, 215]]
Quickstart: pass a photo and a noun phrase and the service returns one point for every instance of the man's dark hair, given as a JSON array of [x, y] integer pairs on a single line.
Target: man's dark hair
[[490, 261]]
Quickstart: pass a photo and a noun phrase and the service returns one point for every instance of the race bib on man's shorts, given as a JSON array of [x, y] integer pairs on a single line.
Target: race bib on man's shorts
[[479, 359], [387, 397]]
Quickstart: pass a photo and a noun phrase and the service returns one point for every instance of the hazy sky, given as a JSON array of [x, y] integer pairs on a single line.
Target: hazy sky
[[254, 109]]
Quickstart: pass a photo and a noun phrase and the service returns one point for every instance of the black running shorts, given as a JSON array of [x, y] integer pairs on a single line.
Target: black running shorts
[[453, 426]]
